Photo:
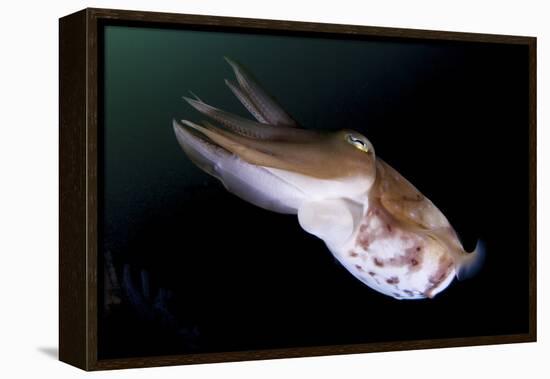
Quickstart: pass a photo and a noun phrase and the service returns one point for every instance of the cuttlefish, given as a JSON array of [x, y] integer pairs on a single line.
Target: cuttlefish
[[374, 221]]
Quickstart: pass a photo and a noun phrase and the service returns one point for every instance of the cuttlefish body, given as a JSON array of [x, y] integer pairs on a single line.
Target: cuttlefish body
[[375, 222]]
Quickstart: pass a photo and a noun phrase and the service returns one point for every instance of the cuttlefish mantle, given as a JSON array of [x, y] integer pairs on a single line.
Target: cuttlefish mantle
[[375, 222]]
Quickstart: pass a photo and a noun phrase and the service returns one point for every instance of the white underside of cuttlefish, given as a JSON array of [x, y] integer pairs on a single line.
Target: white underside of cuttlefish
[[376, 223]]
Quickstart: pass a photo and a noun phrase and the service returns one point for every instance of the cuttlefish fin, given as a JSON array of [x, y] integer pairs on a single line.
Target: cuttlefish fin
[[256, 100], [332, 220], [469, 264], [251, 183]]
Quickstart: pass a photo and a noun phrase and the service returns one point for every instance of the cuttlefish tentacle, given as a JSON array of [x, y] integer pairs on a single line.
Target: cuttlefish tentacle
[[375, 222]]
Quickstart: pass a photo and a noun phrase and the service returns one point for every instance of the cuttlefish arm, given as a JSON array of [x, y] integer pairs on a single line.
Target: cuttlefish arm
[[255, 99]]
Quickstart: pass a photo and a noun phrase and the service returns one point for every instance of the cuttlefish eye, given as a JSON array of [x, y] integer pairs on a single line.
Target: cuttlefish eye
[[358, 142]]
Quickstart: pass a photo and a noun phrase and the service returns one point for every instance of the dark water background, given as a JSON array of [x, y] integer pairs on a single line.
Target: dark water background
[[199, 270]]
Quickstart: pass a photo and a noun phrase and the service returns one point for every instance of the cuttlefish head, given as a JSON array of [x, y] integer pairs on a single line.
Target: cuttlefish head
[[271, 162]]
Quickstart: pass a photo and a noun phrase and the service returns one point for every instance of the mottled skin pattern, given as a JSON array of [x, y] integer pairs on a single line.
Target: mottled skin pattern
[[402, 260], [395, 261]]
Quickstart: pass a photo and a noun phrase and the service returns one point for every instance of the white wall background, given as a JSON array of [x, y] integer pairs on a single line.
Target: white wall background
[[28, 186]]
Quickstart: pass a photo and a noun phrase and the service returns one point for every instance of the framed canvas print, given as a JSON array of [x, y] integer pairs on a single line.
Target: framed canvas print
[[238, 189]]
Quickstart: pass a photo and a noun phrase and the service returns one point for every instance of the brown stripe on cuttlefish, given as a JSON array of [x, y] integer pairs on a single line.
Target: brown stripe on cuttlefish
[[372, 275], [412, 258], [392, 280], [362, 239], [378, 262]]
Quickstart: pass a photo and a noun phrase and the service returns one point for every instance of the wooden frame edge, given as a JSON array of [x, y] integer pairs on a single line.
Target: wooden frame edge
[[301, 26], [78, 197], [532, 45], [72, 189], [317, 351]]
